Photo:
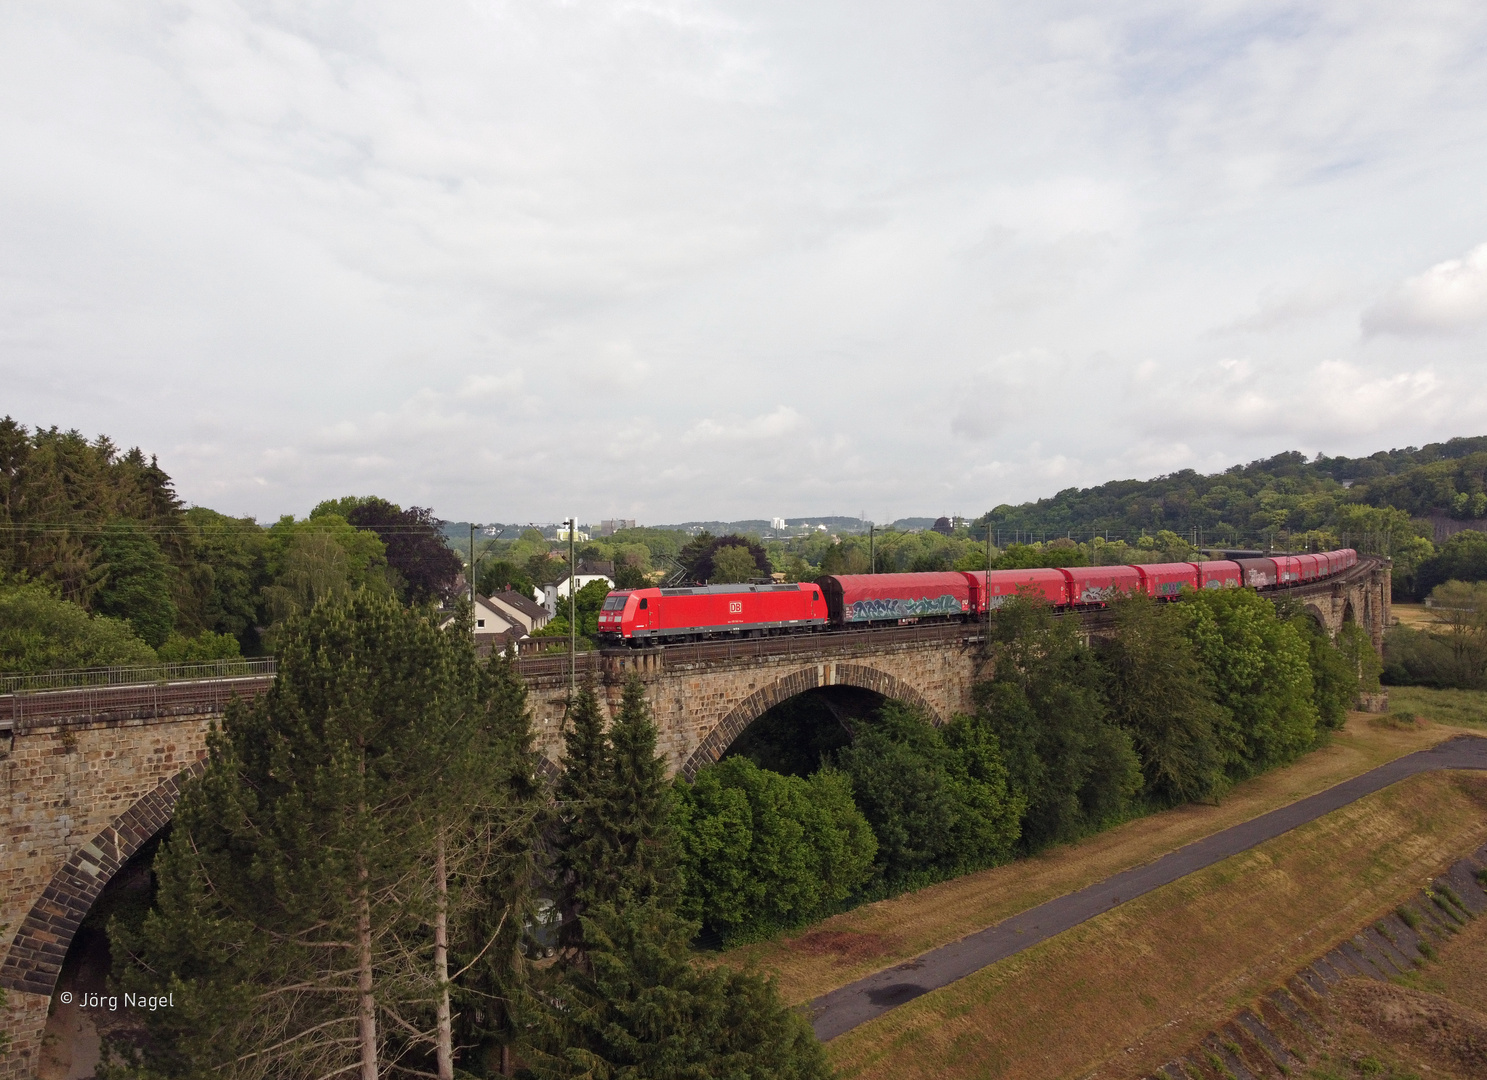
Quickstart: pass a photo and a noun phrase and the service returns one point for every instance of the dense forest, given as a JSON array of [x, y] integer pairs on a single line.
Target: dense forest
[[101, 564]]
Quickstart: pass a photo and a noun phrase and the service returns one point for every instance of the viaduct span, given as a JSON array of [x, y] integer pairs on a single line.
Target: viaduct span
[[89, 776]]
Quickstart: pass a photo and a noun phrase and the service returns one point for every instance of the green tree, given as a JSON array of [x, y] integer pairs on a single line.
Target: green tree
[[1334, 676], [732, 564], [628, 1002], [227, 571], [761, 851], [938, 801], [39, 631], [1158, 691], [136, 584], [1259, 668], [498, 575], [313, 888], [638, 1008], [1075, 768], [205, 646], [1463, 557]]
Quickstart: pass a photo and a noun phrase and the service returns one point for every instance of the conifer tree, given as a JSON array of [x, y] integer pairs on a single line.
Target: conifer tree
[[627, 1001], [637, 860], [638, 1009], [579, 839], [322, 878]]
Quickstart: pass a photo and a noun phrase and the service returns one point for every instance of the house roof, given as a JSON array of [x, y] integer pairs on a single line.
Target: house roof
[[521, 603]]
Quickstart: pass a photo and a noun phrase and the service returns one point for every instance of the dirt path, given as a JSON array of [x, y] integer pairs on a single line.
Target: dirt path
[[870, 997]]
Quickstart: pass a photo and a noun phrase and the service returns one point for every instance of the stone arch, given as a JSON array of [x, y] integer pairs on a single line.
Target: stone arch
[[1319, 615], [1349, 615], [40, 944], [798, 682]]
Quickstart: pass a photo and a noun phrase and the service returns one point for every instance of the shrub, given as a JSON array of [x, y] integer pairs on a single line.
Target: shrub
[[39, 631], [1260, 670], [938, 800], [760, 851]]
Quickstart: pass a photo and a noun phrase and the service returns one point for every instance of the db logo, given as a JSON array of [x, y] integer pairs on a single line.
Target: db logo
[[735, 607]]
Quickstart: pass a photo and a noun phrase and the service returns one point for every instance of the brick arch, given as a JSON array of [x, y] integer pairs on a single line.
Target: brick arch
[[1318, 614], [40, 944], [798, 682]]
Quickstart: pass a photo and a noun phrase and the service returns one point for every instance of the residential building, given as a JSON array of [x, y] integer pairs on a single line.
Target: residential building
[[588, 573], [520, 609]]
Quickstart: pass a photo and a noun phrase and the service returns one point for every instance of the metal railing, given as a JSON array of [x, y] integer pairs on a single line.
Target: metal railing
[[135, 676], [146, 699]]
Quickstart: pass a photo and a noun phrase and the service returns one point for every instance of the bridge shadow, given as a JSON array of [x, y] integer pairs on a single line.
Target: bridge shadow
[[799, 734], [72, 1041]]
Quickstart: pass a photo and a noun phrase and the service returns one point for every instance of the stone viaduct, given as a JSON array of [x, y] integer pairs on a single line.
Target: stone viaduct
[[90, 776]]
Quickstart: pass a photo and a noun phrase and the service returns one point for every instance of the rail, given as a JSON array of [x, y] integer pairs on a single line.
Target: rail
[[135, 676]]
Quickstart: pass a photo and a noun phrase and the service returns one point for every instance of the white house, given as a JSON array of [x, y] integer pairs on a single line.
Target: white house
[[549, 595]]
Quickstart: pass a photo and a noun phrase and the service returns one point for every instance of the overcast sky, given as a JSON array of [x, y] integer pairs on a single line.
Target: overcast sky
[[674, 260]]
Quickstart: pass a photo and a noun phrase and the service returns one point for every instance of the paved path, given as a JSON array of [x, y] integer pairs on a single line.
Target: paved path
[[861, 1001]]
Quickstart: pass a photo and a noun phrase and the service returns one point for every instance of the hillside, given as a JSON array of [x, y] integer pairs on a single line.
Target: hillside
[[1373, 502]]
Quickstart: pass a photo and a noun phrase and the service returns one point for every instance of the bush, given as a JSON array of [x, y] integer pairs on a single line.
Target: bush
[[938, 800], [761, 851], [1260, 670], [193, 650], [39, 631], [1158, 691], [1073, 767], [1334, 675]]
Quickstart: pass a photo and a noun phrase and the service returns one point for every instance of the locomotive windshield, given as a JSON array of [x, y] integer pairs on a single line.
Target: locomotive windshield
[[615, 601]]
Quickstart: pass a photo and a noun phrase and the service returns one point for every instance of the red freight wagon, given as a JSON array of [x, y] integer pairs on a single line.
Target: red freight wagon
[[995, 589], [1312, 567], [1101, 584], [1219, 574], [1349, 558], [1289, 568], [647, 615], [1259, 573], [855, 599], [1167, 578]]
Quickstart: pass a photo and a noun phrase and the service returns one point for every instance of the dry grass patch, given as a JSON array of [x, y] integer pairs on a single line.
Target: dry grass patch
[[1415, 616], [916, 922], [1128, 990]]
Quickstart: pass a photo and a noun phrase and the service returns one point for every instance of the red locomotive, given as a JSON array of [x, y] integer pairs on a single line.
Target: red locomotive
[[842, 601]]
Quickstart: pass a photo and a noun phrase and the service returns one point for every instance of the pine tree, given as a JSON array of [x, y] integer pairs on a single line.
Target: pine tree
[[638, 1009], [637, 860], [579, 837], [627, 1002], [322, 878]]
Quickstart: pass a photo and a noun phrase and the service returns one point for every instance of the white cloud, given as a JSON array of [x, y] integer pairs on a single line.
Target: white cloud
[[699, 258], [1450, 296]]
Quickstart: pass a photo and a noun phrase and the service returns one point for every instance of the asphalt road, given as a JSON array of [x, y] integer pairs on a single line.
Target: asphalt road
[[861, 1001]]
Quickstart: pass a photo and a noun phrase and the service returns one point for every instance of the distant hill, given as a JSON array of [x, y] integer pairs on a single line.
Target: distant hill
[[1277, 500]]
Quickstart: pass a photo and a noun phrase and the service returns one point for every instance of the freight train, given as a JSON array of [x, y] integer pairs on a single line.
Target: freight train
[[639, 617]]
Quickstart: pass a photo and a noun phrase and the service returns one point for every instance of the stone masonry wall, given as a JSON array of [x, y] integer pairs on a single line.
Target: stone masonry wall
[[64, 790], [691, 701]]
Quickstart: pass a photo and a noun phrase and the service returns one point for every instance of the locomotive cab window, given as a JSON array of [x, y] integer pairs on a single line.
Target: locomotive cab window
[[644, 603], [614, 603]]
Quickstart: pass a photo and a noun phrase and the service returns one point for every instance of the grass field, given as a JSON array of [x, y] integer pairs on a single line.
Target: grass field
[[1118, 995], [1415, 616], [1461, 708], [859, 942]]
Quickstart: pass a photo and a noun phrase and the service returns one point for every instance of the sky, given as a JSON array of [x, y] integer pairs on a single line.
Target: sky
[[668, 260]]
